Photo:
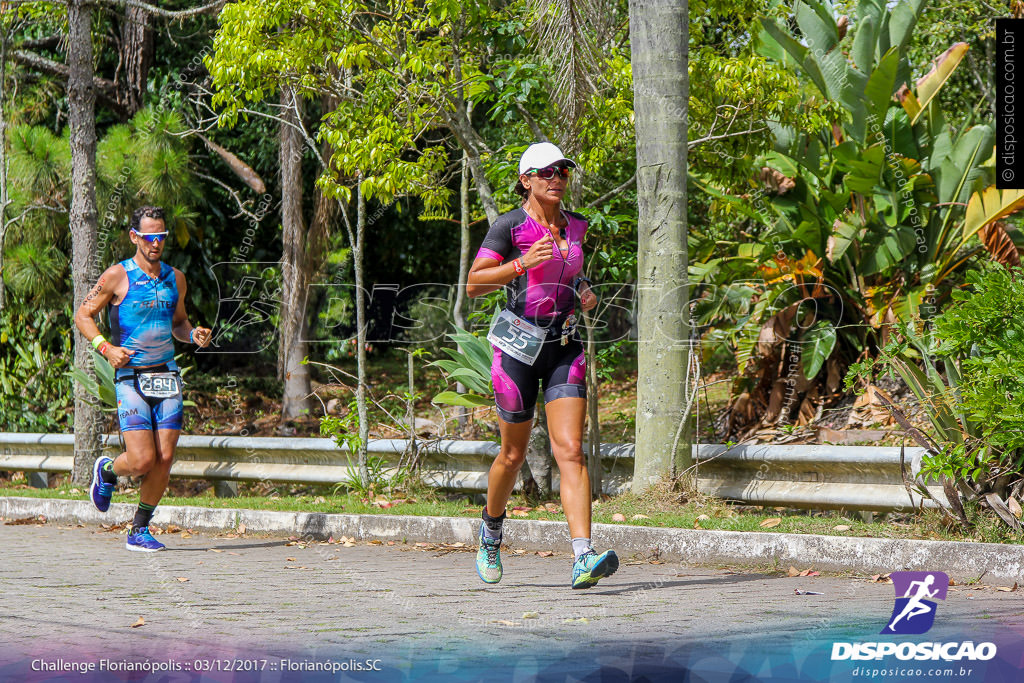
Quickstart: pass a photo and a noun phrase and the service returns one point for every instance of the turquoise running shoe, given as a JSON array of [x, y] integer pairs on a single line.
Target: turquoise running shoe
[[591, 567], [488, 558], [143, 542]]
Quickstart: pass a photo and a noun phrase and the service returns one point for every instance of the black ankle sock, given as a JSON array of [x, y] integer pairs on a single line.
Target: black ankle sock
[[107, 473], [143, 515], [493, 523]]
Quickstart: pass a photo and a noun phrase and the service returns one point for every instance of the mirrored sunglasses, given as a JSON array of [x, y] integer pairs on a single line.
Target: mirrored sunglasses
[[550, 172], [152, 237]]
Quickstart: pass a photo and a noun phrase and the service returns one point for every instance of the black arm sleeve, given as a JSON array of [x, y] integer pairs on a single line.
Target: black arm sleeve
[[498, 240]]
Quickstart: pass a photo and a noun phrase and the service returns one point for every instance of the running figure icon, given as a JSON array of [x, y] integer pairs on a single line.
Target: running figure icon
[[915, 607], [914, 611]]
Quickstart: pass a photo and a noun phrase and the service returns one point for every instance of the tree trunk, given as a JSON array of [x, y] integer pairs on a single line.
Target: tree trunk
[[659, 34], [483, 186], [295, 266], [83, 220], [459, 116], [593, 423], [460, 123], [538, 457], [136, 56], [458, 312], [4, 199], [357, 262]]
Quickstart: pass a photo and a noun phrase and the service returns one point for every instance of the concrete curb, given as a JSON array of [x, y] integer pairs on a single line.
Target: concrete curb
[[962, 561]]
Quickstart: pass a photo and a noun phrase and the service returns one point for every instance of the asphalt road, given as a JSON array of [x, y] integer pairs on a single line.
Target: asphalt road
[[419, 612]]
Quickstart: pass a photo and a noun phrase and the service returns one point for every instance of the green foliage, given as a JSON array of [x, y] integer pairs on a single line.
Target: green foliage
[[612, 245], [35, 272], [819, 342], [983, 332], [147, 161], [39, 187], [143, 162], [470, 364], [609, 358], [911, 345], [429, 315], [880, 217], [35, 353], [376, 477], [965, 102], [101, 388], [974, 409], [344, 430], [376, 138], [738, 94]]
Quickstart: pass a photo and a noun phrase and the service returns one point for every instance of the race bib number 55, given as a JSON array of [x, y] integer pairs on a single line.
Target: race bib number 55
[[516, 337]]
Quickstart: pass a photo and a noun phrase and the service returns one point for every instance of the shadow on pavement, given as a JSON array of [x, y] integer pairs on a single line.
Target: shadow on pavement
[[613, 588], [241, 546]]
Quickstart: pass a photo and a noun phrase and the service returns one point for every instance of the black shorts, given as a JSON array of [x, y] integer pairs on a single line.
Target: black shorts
[[560, 370]]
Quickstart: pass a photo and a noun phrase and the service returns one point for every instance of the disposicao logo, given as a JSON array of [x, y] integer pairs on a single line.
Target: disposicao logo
[[914, 614]]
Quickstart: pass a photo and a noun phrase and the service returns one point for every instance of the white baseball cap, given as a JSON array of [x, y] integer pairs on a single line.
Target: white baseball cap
[[542, 155]]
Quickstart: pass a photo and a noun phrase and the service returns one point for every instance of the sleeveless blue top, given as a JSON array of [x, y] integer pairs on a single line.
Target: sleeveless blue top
[[143, 320]]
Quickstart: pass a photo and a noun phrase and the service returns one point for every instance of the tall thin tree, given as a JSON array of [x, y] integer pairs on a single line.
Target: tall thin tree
[[4, 162], [294, 260], [83, 219], [659, 35]]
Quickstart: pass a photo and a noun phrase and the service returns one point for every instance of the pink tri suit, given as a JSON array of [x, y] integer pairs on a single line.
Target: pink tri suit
[[545, 295]]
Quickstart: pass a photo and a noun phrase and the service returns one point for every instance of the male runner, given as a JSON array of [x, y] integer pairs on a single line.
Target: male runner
[[145, 302]]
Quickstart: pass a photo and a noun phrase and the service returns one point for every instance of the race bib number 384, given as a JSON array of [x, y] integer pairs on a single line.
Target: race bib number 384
[[158, 384], [516, 337]]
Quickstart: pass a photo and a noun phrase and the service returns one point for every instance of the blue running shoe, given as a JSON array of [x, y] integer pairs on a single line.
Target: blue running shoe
[[100, 490], [143, 542], [488, 558], [590, 567]]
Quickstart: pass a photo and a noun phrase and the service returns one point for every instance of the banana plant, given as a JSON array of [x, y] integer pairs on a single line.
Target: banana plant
[[470, 364], [101, 388], [879, 221]]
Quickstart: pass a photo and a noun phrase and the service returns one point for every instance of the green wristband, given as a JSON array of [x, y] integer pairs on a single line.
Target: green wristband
[[98, 341]]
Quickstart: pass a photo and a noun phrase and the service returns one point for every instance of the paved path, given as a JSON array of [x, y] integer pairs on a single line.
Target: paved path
[[75, 592]]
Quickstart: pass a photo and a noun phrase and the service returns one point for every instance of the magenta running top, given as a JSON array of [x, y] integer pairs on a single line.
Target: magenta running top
[[545, 292]]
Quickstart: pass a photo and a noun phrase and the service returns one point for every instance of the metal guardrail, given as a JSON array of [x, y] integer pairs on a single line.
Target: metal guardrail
[[816, 477]]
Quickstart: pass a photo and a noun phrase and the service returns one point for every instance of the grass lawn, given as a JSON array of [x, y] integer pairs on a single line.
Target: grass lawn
[[660, 507]]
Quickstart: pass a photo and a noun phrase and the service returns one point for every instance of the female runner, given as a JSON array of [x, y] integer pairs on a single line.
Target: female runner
[[536, 253]]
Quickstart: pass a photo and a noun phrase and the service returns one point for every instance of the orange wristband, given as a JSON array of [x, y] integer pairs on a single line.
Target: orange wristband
[[518, 265]]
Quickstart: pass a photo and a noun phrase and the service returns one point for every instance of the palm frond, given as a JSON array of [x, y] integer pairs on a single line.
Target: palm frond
[[569, 33]]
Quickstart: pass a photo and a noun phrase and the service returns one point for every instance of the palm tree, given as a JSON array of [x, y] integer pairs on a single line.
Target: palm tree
[[659, 34]]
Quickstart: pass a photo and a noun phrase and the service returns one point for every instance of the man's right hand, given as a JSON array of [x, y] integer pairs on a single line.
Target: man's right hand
[[118, 356]]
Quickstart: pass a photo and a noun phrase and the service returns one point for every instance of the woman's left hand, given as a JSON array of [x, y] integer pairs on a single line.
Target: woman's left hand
[[587, 298]]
